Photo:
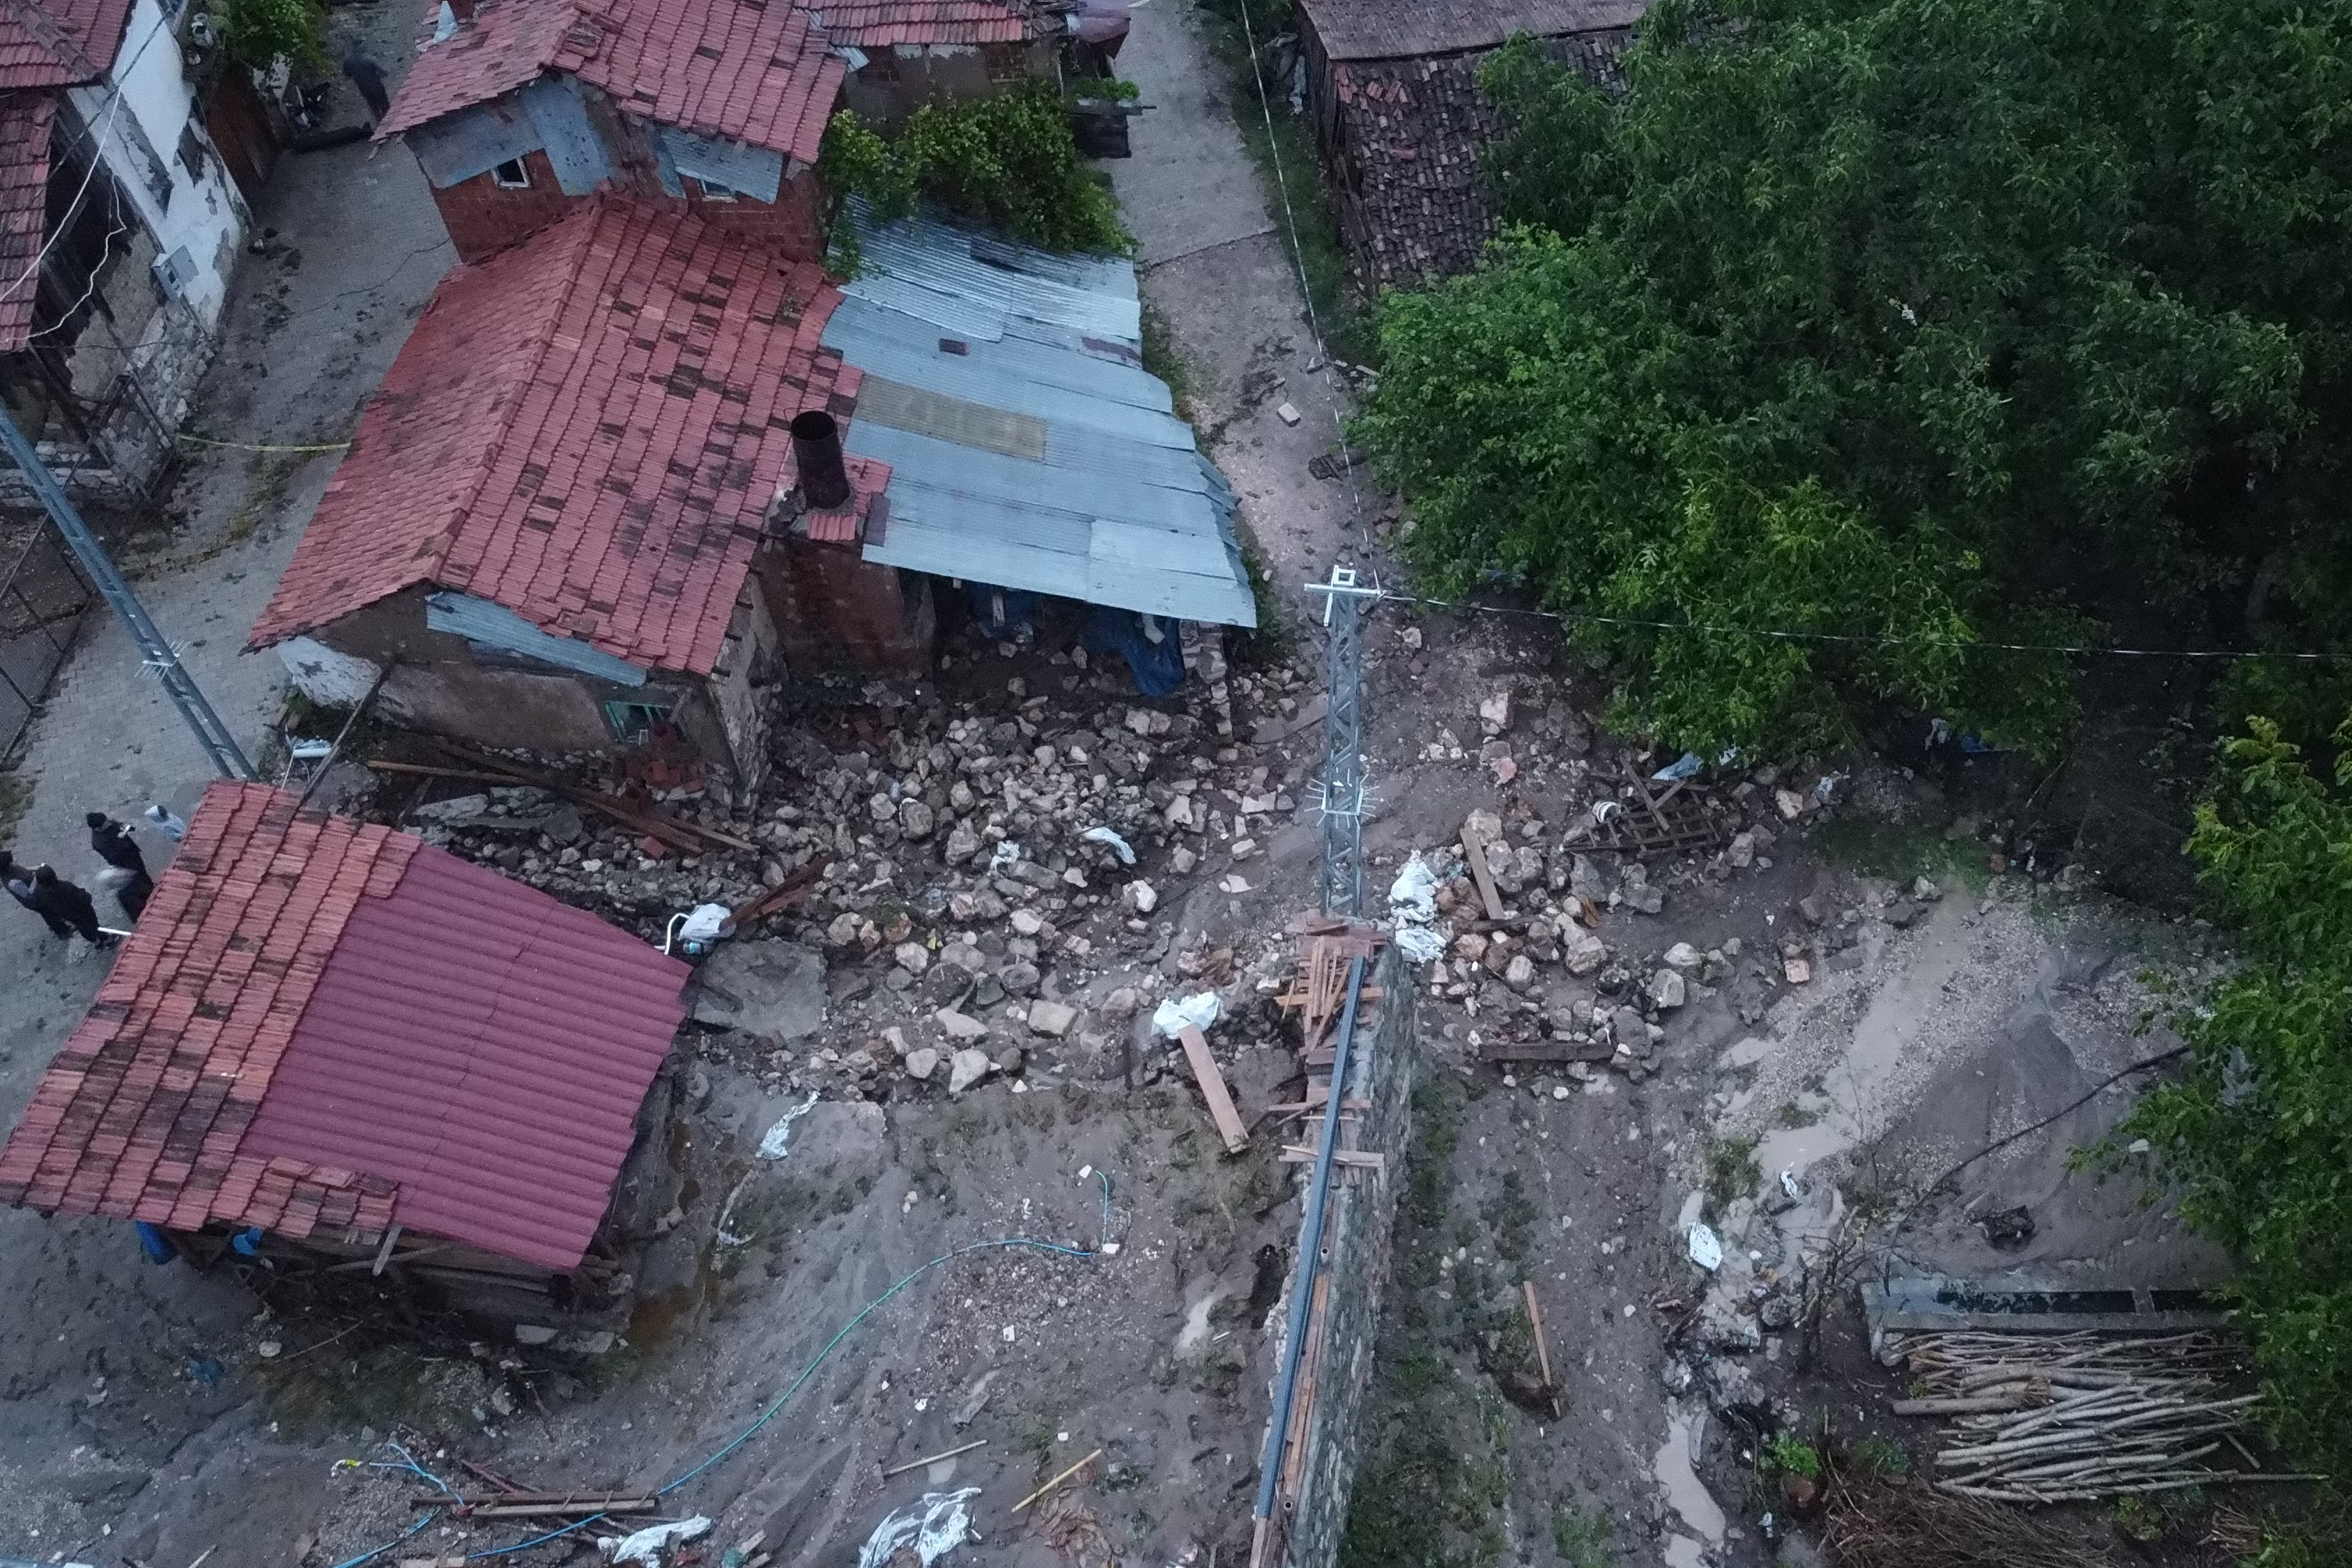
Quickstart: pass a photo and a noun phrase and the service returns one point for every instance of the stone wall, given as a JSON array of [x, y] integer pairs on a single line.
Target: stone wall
[[1359, 1256]]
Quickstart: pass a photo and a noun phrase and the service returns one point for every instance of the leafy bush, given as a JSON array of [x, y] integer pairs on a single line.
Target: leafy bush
[[1935, 327], [1009, 162], [2258, 1131], [259, 31], [1788, 1454]]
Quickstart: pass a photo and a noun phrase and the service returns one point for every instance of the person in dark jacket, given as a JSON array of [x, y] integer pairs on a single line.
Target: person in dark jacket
[[18, 880], [53, 895], [368, 76], [114, 844], [127, 867]]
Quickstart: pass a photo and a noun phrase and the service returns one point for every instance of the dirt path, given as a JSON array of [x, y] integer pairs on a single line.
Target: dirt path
[[1216, 267]]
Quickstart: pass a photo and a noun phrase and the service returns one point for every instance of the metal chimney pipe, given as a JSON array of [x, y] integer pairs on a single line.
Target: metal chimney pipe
[[816, 447]]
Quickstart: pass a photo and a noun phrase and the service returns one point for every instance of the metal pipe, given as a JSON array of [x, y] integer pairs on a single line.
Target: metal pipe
[[228, 758], [1310, 1249]]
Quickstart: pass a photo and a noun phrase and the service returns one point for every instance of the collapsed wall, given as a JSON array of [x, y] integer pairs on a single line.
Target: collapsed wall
[[1314, 1464]]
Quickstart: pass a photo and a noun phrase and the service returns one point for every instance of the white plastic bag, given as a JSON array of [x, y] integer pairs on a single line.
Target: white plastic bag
[[1413, 895], [934, 1526], [1705, 1250], [1118, 846], [648, 1545], [1199, 1012], [778, 1142], [706, 922]]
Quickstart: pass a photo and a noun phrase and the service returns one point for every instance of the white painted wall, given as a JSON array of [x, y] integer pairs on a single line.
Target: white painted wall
[[206, 215]]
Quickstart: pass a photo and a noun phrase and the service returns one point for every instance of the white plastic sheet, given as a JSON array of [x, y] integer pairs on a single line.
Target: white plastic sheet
[[778, 1141], [706, 922], [649, 1546], [1705, 1250], [1413, 895], [1118, 846], [1199, 1012], [934, 1526]]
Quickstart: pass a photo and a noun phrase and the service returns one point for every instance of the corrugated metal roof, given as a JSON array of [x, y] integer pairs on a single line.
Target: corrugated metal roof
[[323, 1028], [1120, 509]]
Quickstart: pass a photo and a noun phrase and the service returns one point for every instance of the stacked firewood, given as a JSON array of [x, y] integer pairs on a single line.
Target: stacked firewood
[[2080, 1417]]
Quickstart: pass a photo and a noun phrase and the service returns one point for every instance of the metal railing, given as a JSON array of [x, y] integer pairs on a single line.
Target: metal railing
[[43, 598]]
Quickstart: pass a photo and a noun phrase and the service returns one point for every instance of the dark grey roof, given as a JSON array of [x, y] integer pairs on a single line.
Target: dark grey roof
[[1396, 29]]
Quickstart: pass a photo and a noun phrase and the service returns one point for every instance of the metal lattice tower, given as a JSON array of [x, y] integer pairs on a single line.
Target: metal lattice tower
[[228, 758], [1343, 744]]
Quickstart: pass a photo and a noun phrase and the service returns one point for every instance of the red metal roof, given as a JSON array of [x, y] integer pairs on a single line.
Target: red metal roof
[[59, 43], [756, 72], [322, 1027], [24, 203], [878, 24], [586, 429]]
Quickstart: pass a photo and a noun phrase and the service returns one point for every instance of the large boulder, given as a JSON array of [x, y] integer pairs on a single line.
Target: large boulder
[[775, 989]]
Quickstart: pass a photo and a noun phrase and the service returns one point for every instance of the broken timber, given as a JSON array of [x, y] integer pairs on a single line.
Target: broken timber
[[1676, 822], [1543, 1051], [1473, 852], [1213, 1090]]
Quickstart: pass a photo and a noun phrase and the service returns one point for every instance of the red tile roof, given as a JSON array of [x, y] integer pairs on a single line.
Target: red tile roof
[[322, 1027], [757, 72], [24, 206], [59, 43], [869, 478], [878, 24], [586, 429]]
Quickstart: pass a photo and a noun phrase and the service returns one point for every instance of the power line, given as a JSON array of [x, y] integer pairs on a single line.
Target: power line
[[1571, 617]]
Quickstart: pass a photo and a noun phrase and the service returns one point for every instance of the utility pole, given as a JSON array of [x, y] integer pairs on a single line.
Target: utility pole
[[1343, 745], [228, 758]]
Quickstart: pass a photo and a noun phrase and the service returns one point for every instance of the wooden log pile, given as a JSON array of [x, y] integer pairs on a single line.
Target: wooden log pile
[[2041, 1418]]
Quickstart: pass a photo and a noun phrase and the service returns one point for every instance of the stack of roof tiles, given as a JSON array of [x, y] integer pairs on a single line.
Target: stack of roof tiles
[[751, 71], [586, 429], [324, 1028]]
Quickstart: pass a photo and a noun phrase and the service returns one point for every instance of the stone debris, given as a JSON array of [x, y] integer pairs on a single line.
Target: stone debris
[[1051, 1018], [967, 1068]]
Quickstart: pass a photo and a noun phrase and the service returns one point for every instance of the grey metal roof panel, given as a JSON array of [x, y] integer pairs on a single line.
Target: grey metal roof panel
[[936, 464], [1098, 297], [1065, 365], [976, 379]]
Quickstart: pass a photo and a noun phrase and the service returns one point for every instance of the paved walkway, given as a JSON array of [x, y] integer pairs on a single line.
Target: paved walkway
[[312, 324], [1217, 268]]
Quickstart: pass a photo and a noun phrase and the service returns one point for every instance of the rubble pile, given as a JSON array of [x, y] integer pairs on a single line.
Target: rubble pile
[[980, 878]]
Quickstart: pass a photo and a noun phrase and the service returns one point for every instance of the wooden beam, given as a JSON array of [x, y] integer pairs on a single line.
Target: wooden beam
[[1359, 1159], [1473, 851], [1543, 1355], [1213, 1090]]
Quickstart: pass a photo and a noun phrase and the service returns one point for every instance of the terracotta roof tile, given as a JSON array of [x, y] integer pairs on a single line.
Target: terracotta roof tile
[[24, 120], [59, 43], [586, 429], [324, 1090], [757, 72], [878, 24]]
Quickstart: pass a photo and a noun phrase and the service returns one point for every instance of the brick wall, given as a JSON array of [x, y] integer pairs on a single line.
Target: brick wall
[[1360, 1224], [482, 217], [834, 608]]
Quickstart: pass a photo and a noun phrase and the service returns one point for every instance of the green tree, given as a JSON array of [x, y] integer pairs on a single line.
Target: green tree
[[1009, 161], [1960, 322], [259, 31], [2258, 1131]]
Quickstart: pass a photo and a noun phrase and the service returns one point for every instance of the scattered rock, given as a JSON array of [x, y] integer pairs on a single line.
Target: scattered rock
[[1583, 952], [1519, 973], [1011, 1060], [967, 1068], [1742, 852], [1019, 978], [1494, 713], [1684, 956], [960, 1025], [911, 956], [1121, 1005], [1630, 1029], [1925, 891], [922, 1062], [964, 843], [534, 1334], [1666, 989], [1051, 1018], [916, 819], [1138, 897]]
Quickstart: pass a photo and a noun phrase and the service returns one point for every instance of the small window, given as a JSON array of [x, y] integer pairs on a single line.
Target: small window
[[512, 176], [1005, 65], [713, 191], [633, 723]]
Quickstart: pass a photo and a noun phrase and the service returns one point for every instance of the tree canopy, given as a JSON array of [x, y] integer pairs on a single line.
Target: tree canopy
[[2257, 1132], [1909, 327]]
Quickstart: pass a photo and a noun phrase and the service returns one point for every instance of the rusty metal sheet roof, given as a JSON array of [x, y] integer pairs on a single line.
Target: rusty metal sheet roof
[[1395, 29]]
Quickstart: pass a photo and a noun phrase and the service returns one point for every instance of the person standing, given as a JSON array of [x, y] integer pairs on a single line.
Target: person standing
[[19, 883], [172, 828], [368, 76], [54, 896], [127, 867]]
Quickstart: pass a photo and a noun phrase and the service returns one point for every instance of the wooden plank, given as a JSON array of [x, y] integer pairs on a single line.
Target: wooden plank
[[1473, 851], [1357, 1159], [1289, 999], [1213, 1090], [1543, 1355], [783, 895]]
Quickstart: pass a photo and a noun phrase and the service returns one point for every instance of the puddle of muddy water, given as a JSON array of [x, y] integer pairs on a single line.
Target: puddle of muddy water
[[1685, 1494]]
